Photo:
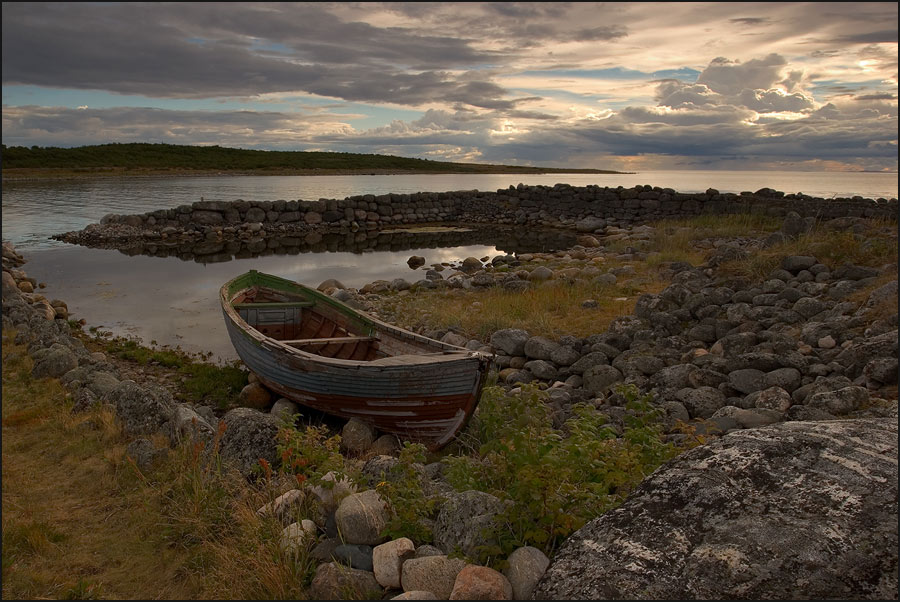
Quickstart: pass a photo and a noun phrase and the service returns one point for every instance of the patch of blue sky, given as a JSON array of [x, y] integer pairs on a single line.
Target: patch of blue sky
[[872, 84], [362, 116], [685, 74], [602, 101], [96, 99], [375, 116], [276, 47], [556, 93], [621, 73], [824, 89]]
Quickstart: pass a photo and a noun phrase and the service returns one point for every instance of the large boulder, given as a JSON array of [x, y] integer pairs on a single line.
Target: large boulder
[[335, 582], [142, 410], [792, 510], [435, 574], [249, 437], [510, 341], [362, 517], [57, 362], [462, 519], [481, 583], [526, 567], [388, 558]]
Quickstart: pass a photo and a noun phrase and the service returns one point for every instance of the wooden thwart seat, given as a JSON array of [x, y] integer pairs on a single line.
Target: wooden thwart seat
[[274, 304], [326, 341]]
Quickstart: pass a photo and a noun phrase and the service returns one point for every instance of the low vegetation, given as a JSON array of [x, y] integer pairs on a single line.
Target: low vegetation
[[81, 521], [138, 157], [552, 310], [201, 381], [833, 248], [555, 480]]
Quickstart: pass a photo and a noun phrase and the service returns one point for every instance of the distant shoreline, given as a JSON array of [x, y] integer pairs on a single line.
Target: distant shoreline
[[30, 174]]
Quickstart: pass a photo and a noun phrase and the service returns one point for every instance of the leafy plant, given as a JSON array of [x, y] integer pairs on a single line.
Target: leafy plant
[[203, 382], [556, 479], [411, 508], [310, 454]]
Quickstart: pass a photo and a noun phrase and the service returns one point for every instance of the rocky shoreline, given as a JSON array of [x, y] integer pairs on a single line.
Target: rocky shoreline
[[791, 378], [588, 209]]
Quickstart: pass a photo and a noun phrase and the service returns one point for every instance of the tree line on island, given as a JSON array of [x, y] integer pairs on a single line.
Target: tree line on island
[[150, 157]]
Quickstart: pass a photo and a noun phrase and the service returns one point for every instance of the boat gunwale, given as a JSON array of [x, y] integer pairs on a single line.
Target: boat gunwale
[[451, 353]]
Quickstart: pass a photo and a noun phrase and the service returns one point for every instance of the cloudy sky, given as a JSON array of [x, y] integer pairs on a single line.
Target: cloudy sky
[[619, 85]]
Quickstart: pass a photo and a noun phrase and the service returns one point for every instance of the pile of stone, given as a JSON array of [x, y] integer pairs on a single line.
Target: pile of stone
[[720, 352], [585, 209], [361, 563], [735, 354]]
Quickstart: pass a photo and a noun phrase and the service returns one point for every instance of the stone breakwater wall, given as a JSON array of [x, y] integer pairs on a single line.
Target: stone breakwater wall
[[586, 208]]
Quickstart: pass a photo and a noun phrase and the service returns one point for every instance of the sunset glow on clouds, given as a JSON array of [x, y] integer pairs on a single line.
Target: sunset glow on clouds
[[605, 85]]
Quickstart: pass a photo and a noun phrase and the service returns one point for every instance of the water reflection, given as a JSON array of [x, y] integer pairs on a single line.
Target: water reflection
[[219, 251], [171, 295]]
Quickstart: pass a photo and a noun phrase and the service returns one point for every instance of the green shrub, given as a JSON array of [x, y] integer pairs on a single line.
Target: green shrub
[[556, 479], [411, 508], [310, 454]]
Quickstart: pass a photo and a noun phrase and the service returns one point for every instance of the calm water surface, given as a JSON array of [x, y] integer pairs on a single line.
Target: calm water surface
[[175, 302]]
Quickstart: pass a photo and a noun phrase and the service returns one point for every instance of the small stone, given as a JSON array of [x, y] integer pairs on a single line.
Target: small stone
[[428, 550], [255, 396], [481, 583], [526, 567], [357, 436], [329, 284], [361, 517], [388, 558], [296, 536], [774, 398], [842, 401], [336, 582], [415, 595], [540, 274], [284, 506], [827, 342], [330, 497], [431, 573], [354, 556], [510, 341], [385, 445], [284, 409]]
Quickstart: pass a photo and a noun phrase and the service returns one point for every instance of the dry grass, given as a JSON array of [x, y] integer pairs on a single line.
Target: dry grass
[[67, 529], [80, 521], [554, 309], [551, 309], [832, 248]]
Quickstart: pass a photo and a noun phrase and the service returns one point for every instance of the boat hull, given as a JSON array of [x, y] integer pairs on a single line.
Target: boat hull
[[425, 399]]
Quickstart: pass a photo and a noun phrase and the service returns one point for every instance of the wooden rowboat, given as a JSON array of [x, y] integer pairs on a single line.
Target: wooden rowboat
[[317, 351]]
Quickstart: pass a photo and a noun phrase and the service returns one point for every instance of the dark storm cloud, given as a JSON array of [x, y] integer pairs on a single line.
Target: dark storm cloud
[[608, 32], [874, 37], [797, 140], [750, 20], [213, 50], [57, 126]]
